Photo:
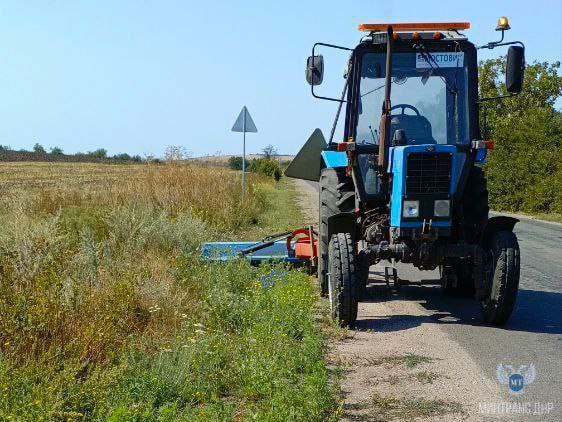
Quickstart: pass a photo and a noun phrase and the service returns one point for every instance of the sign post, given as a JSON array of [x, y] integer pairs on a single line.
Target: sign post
[[244, 123]]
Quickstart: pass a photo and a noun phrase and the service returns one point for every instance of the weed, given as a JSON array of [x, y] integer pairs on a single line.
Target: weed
[[410, 360], [426, 377], [389, 407]]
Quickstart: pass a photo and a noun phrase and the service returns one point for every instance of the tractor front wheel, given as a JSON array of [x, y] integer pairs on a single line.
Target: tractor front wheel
[[504, 278], [342, 281], [336, 195]]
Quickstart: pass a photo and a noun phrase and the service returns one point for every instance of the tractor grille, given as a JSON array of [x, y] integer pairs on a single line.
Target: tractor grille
[[428, 173]]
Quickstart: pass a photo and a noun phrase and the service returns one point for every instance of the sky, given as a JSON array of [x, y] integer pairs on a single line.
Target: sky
[[137, 76]]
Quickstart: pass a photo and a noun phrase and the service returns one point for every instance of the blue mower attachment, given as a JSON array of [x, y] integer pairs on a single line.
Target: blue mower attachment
[[298, 247]]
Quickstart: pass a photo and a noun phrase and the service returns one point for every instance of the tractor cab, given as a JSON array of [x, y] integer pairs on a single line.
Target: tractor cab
[[411, 132]]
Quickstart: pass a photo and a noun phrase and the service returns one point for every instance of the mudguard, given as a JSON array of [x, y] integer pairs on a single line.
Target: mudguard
[[334, 159], [496, 224]]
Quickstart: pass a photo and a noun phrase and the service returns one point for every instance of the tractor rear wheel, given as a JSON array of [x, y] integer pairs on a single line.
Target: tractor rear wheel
[[505, 264], [342, 281], [475, 215], [475, 205], [336, 194]]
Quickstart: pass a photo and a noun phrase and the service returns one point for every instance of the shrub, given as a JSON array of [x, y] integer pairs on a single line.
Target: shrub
[[267, 167], [123, 157], [235, 163], [98, 153]]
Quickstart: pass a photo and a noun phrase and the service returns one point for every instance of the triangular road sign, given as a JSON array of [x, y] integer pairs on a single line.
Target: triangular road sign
[[244, 122], [306, 164]]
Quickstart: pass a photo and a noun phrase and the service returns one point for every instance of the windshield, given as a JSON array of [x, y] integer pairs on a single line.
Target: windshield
[[428, 97]]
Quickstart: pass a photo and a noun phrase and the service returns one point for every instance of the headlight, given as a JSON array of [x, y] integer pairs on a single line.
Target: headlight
[[442, 208], [411, 209]]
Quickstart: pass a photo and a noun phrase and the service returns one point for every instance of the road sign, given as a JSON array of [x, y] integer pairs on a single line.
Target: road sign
[[244, 123]]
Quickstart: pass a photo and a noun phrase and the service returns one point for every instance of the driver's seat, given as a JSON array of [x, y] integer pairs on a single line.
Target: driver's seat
[[417, 128]]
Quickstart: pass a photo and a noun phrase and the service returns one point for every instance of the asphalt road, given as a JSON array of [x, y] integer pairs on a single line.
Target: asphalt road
[[534, 332], [533, 335]]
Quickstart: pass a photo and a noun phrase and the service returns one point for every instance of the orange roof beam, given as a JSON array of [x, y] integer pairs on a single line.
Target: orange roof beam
[[429, 26]]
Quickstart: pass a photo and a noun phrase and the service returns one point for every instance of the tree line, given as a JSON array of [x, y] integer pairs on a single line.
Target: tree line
[[99, 154]]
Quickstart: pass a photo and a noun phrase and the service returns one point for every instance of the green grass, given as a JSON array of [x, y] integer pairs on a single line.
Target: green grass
[[251, 352], [557, 218], [107, 313], [279, 210]]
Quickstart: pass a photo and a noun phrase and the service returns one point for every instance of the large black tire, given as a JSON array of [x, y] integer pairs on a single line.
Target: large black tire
[[475, 215], [342, 281], [336, 194], [475, 205], [505, 257]]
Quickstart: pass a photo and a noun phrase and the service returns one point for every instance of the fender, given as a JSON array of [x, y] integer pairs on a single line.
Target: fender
[[334, 159], [496, 224]]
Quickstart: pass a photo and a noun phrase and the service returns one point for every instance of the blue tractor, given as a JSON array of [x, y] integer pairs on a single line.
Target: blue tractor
[[405, 184]]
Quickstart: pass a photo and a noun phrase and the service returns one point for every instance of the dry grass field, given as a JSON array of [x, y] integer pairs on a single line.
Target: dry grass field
[[107, 313], [212, 193]]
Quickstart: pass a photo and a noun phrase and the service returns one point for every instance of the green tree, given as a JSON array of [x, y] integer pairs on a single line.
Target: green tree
[[123, 157], [98, 153], [269, 151], [525, 169], [38, 148], [235, 163], [56, 151]]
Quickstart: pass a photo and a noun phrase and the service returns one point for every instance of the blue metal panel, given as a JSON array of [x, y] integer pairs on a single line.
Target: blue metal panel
[[397, 167], [481, 155], [334, 159], [224, 251]]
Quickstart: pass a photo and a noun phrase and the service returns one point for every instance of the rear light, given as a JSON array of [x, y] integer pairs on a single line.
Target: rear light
[[342, 146], [490, 144], [487, 144]]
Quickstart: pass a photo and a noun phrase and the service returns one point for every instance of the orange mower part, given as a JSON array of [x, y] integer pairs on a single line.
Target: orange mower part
[[305, 244]]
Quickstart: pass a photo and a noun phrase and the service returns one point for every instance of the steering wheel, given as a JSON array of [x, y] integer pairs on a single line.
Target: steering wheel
[[403, 107]]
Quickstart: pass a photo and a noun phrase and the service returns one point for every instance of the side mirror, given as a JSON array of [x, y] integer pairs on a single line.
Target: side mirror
[[515, 69], [315, 70]]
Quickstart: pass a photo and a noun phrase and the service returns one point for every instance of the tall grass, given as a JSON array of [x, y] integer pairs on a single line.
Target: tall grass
[[106, 312], [210, 193]]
